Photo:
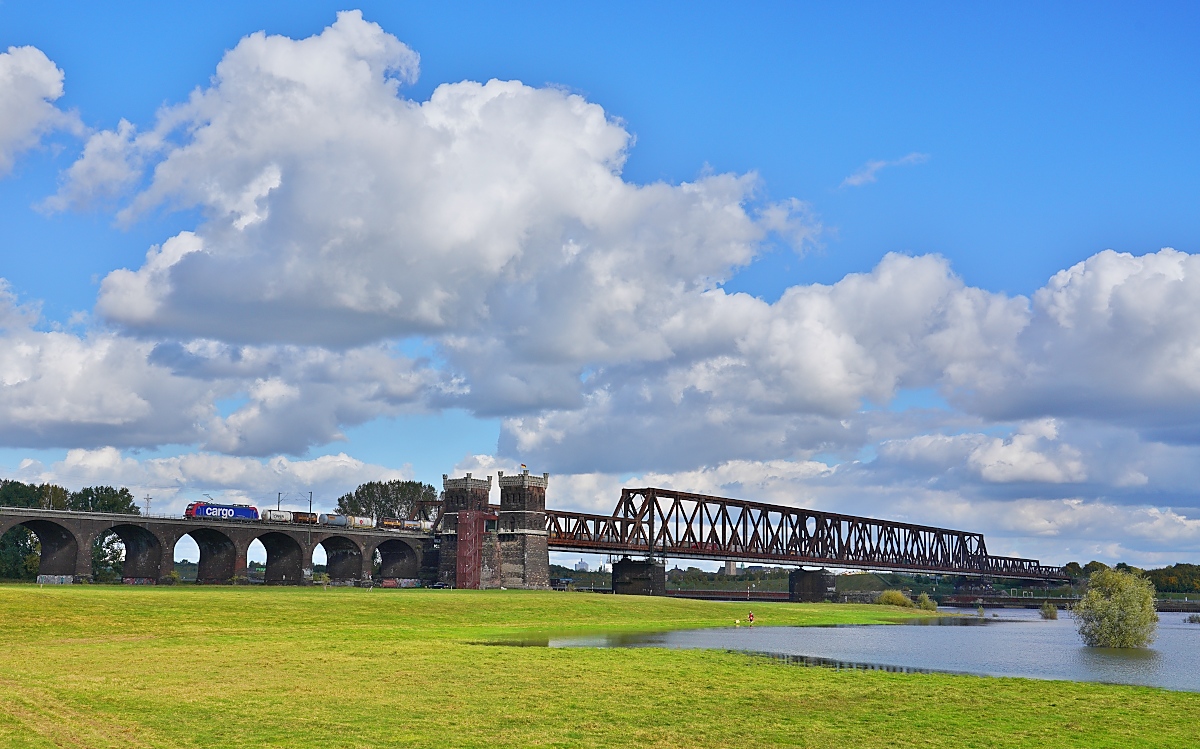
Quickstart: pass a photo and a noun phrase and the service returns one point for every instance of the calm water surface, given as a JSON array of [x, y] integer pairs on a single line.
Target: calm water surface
[[1019, 643]]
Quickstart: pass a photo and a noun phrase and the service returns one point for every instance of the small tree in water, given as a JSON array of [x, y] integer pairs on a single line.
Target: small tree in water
[[1117, 611], [1049, 611]]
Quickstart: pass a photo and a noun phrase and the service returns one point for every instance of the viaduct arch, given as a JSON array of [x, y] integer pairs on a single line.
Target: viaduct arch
[[66, 540]]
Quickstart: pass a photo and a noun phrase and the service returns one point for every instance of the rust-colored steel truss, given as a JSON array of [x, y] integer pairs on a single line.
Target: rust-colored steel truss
[[667, 523]]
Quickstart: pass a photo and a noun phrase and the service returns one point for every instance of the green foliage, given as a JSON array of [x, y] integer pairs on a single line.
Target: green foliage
[[1178, 578], [1117, 611], [1049, 611], [103, 499], [894, 598], [1094, 566], [19, 550], [590, 579], [1193, 619], [107, 559], [925, 603], [173, 578], [386, 499], [1073, 570]]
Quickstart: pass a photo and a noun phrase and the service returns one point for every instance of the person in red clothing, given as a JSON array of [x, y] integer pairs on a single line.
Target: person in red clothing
[[750, 618]]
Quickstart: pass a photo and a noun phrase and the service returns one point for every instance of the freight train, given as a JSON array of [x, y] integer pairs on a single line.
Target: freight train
[[200, 510]]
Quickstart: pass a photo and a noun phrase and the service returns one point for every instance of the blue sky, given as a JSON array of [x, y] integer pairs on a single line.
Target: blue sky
[[1011, 143]]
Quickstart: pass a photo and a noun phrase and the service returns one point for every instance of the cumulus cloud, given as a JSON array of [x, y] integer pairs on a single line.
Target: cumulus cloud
[[29, 84], [1021, 457], [748, 379], [870, 171], [67, 389], [174, 481], [1115, 338], [339, 212]]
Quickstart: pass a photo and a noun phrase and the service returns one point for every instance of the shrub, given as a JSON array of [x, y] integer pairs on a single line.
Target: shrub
[[894, 598], [1117, 611], [925, 603], [173, 578], [1049, 611], [1193, 619]]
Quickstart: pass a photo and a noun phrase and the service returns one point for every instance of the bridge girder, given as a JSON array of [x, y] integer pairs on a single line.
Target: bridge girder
[[668, 523]]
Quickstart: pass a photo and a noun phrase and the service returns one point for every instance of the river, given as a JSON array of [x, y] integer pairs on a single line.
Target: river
[[1015, 643]]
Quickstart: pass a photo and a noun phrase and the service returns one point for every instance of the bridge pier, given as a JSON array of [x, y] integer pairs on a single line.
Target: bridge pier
[[483, 546], [811, 586], [636, 577]]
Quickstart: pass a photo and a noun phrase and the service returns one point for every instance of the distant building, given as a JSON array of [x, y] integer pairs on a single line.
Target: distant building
[[730, 568], [581, 566]]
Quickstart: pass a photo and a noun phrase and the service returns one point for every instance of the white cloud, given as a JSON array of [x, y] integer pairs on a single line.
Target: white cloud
[[1019, 458], [174, 481], [29, 83], [870, 171], [339, 212], [64, 389]]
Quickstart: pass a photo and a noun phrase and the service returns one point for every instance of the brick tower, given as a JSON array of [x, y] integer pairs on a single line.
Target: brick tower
[[466, 559]]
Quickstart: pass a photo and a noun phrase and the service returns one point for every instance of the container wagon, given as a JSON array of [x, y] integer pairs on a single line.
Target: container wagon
[[346, 521]]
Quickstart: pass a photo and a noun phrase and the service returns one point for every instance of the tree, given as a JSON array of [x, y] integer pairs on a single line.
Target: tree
[[386, 499], [1094, 566], [1178, 578], [103, 499], [108, 558], [1073, 570], [1117, 611]]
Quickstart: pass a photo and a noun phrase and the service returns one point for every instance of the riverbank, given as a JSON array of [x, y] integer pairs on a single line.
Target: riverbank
[[247, 666]]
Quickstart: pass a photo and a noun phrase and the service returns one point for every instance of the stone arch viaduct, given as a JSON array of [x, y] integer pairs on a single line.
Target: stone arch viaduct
[[66, 539]]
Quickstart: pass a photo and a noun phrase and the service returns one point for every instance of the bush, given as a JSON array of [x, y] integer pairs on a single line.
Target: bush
[[1117, 611], [894, 598], [1049, 611], [925, 603], [1193, 619]]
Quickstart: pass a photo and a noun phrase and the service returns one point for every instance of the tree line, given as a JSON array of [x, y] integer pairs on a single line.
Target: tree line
[[19, 548]]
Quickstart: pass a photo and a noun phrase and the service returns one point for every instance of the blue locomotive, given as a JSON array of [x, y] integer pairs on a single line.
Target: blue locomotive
[[220, 512]]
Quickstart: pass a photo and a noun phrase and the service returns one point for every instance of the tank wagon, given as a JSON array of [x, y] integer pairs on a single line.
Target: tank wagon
[[346, 521], [407, 525]]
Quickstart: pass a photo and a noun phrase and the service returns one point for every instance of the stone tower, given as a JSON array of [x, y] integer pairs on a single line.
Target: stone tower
[[524, 556]]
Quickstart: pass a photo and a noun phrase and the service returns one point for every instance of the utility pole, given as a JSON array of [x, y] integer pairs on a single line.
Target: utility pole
[[147, 504], [278, 500], [310, 503]]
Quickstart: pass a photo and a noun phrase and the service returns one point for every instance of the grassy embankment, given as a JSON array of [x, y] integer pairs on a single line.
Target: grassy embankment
[[254, 667]]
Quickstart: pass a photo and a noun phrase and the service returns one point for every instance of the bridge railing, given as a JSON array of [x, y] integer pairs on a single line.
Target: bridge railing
[[680, 524]]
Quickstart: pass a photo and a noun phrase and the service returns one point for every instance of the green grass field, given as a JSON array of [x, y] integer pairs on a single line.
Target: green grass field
[[101, 666]]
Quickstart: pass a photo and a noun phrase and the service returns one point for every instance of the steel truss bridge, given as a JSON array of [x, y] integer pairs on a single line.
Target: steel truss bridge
[[665, 523]]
